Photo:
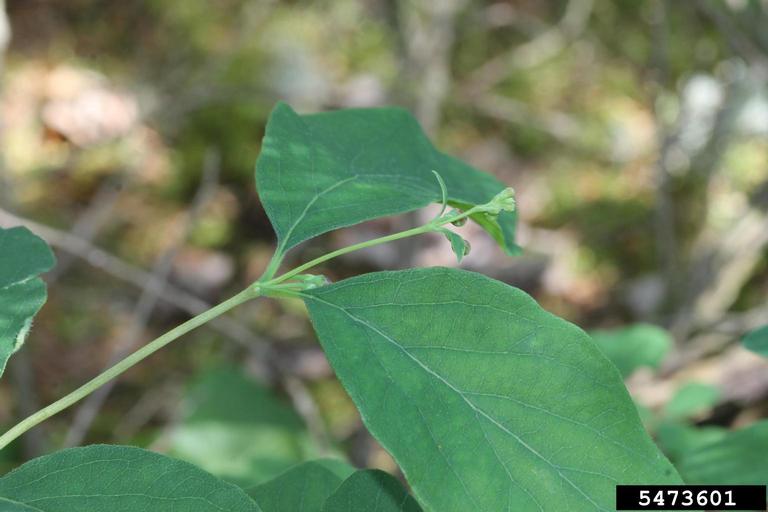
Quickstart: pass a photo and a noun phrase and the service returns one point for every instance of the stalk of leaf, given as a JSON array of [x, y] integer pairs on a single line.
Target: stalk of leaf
[[279, 286]]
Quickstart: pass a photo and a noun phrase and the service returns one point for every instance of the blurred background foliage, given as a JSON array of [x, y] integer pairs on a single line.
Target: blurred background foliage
[[635, 133]]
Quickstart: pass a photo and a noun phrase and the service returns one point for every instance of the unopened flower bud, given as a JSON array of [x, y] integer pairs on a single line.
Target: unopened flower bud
[[504, 201]]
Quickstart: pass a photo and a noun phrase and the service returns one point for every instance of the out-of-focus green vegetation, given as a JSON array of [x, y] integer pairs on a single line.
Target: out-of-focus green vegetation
[[635, 134]]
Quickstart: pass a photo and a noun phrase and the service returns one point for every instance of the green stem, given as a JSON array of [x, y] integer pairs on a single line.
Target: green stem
[[142, 353], [274, 264], [266, 285], [431, 226]]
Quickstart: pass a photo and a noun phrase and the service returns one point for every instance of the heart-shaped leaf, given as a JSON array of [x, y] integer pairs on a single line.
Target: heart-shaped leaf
[[23, 257], [373, 491], [119, 478], [486, 401], [303, 488], [319, 172]]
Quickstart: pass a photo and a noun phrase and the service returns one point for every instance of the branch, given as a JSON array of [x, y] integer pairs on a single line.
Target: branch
[[545, 46], [88, 225], [118, 268], [150, 296]]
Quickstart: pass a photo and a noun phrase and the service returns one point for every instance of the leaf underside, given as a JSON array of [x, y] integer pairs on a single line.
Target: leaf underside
[[323, 171], [119, 479], [486, 401], [23, 256]]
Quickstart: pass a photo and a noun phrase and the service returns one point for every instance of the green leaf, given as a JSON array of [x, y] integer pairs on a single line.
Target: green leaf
[[237, 430], [737, 458], [23, 256], [677, 439], [486, 401], [631, 347], [13, 506], [692, 398], [303, 488], [371, 490], [459, 246], [119, 478], [323, 171], [757, 341]]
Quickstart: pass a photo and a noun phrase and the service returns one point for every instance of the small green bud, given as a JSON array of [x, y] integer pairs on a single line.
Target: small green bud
[[311, 281], [504, 201]]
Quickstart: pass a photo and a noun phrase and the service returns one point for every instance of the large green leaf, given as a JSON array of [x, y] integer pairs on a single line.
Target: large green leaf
[[236, 429], [738, 458], [119, 479], [319, 172], [371, 490], [486, 401], [631, 347], [757, 341], [23, 256], [303, 488]]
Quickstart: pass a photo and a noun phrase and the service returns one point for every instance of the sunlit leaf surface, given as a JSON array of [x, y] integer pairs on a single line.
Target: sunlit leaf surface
[[486, 401], [323, 171]]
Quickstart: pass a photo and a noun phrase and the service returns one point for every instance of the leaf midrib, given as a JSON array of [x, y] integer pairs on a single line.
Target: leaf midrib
[[473, 406]]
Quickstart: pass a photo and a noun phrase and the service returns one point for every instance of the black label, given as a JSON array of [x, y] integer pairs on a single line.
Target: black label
[[691, 497]]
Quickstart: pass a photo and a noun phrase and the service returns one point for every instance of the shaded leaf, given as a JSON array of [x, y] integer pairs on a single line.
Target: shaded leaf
[[486, 401], [303, 488], [632, 347], [691, 399], [459, 246], [23, 257], [237, 430], [373, 491], [737, 458], [757, 341], [119, 478], [323, 171], [677, 439]]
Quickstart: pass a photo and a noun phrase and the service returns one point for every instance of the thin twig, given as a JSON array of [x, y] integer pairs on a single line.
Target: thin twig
[[150, 296], [144, 410], [120, 269], [305, 405], [89, 224], [539, 49], [666, 137]]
